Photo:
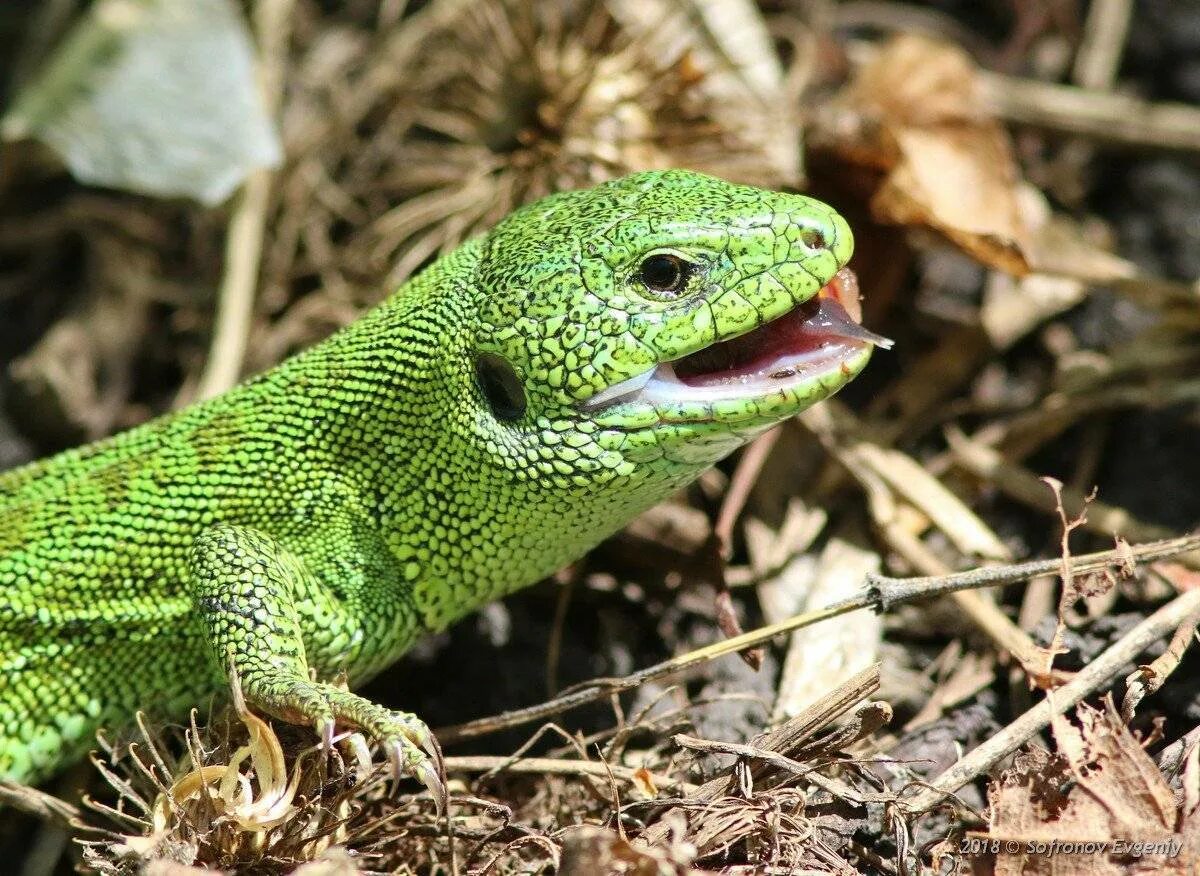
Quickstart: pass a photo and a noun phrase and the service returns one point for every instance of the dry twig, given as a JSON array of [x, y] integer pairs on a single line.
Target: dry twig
[[1098, 116], [881, 592], [244, 240], [1087, 681]]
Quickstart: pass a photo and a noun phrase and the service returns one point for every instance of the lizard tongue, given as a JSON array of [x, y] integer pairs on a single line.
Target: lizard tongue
[[812, 336], [819, 336]]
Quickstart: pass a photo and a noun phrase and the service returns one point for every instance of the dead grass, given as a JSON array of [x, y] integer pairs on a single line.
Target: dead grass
[[627, 801], [407, 132]]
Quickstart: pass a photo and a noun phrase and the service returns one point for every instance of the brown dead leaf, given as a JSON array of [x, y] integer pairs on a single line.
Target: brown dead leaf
[[1100, 788], [1064, 261], [918, 81], [1191, 793], [1113, 767], [957, 182], [915, 111], [1066, 247], [644, 779], [1015, 306]]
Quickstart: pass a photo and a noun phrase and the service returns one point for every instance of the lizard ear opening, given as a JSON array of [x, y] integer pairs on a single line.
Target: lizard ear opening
[[501, 387]]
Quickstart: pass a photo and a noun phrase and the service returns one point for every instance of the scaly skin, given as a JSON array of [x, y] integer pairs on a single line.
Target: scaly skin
[[328, 512]]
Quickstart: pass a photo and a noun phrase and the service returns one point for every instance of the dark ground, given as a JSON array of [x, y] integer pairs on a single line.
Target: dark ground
[[497, 659]]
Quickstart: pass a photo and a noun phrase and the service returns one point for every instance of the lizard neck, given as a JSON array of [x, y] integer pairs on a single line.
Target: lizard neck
[[469, 510]]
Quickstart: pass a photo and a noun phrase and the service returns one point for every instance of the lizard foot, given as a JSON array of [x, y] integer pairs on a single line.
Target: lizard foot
[[411, 749]]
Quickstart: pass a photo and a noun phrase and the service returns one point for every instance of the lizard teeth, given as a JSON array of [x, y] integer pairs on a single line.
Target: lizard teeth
[[619, 390], [667, 388]]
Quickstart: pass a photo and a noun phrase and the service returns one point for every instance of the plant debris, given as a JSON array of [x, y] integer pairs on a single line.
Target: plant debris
[[153, 97], [1096, 792], [207, 811], [968, 582]]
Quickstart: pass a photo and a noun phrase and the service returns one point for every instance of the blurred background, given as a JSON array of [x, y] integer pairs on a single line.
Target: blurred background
[[191, 191]]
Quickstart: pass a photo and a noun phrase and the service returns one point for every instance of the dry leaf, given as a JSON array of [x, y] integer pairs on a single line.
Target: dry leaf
[[593, 851], [1102, 789], [1065, 262], [915, 111], [959, 182], [828, 653]]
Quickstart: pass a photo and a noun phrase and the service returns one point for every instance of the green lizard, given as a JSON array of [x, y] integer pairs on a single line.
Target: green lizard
[[514, 404]]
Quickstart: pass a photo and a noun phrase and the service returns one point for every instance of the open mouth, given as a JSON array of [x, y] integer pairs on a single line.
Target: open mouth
[[817, 338]]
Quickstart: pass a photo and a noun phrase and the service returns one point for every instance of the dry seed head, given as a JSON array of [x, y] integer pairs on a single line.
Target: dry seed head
[[488, 105]]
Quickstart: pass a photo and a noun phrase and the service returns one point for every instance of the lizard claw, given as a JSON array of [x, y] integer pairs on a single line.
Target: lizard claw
[[427, 741], [427, 774], [357, 744], [325, 728], [400, 754], [395, 756]]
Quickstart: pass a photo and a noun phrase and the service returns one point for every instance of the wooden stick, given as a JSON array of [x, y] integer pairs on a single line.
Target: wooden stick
[[1087, 681]]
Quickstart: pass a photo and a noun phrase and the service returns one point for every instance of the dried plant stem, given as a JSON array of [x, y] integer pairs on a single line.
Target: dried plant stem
[[1032, 429], [553, 766], [1104, 33], [37, 803], [1087, 681], [784, 740], [881, 593], [983, 613], [782, 764], [1023, 485], [601, 688], [1097, 60], [1171, 758], [235, 300], [244, 242], [888, 474], [1150, 678], [893, 591], [744, 477], [1096, 115]]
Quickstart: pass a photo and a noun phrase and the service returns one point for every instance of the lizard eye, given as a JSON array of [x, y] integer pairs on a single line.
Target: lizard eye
[[501, 387], [665, 274]]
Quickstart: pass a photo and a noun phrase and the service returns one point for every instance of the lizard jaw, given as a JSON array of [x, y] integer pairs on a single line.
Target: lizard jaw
[[811, 343]]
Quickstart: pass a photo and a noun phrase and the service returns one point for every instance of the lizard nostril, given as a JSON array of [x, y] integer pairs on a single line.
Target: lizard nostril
[[813, 238]]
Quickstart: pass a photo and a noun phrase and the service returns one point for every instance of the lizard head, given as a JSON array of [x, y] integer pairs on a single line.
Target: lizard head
[[666, 316]]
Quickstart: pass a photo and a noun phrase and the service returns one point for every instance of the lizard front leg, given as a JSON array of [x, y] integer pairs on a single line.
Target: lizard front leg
[[249, 589]]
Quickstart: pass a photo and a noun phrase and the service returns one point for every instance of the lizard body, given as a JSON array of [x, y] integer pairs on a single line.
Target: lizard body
[[504, 411]]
